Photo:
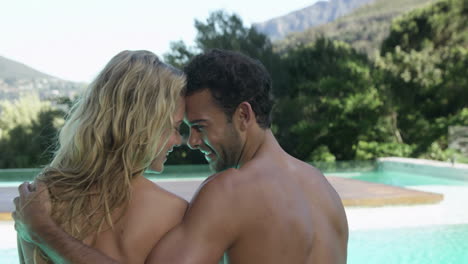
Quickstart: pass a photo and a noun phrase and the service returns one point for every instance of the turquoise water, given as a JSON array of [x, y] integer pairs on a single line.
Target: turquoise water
[[422, 245], [398, 178], [8, 256], [200, 172]]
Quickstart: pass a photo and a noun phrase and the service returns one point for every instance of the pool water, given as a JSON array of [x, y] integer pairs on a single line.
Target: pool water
[[395, 178], [422, 245], [14, 177], [398, 178], [9, 256]]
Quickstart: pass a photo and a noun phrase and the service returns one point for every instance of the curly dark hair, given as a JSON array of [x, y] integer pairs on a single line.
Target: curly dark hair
[[232, 78]]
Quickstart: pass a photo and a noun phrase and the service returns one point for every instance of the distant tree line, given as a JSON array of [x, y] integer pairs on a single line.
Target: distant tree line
[[28, 129], [332, 101]]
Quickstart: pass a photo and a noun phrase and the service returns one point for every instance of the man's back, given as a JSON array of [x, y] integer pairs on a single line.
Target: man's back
[[274, 209], [289, 212]]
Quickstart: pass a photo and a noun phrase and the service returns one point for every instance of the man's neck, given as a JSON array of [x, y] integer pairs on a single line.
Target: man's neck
[[253, 144]]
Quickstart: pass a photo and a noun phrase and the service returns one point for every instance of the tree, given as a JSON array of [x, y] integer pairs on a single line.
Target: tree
[[332, 104], [20, 112], [227, 31], [29, 130], [424, 62]]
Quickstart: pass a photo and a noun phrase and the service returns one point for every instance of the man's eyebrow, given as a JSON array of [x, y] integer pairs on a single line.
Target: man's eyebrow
[[191, 122]]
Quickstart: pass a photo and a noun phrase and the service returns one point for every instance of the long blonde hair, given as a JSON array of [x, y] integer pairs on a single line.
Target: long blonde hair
[[111, 135]]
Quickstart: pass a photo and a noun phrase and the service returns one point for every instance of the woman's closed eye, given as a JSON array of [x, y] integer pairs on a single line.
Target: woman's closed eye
[[177, 129]]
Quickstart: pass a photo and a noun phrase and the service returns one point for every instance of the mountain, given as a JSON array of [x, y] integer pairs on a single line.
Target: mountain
[[10, 69], [319, 13], [365, 28], [17, 78]]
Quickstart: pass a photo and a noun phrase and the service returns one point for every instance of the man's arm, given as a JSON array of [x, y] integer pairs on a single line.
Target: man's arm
[[20, 250], [63, 248], [34, 224], [211, 225]]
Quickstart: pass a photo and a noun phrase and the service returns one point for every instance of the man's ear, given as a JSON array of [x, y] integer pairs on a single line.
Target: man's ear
[[244, 115]]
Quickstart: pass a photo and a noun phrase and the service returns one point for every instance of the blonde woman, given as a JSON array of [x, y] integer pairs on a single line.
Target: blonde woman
[[128, 120]]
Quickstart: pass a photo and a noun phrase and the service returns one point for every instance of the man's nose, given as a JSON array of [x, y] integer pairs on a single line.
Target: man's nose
[[194, 140]]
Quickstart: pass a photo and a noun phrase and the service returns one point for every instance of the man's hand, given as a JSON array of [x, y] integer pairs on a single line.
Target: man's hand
[[32, 211], [34, 224]]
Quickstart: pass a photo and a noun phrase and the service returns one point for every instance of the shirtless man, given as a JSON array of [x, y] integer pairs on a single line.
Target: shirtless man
[[262, 205]]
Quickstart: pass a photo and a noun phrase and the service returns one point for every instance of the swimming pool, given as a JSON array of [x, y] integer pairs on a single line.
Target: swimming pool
[[9, 256], [423, 245], [397, 178]]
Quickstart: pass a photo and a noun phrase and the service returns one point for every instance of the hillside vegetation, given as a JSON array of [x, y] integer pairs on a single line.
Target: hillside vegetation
[[364, 29], [317, 14]]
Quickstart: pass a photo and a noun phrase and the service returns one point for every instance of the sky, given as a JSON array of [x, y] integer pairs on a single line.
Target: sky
[[74, 39]]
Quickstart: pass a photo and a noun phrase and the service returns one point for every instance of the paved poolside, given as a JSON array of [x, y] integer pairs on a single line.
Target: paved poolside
[[352, 192], [362, 193]]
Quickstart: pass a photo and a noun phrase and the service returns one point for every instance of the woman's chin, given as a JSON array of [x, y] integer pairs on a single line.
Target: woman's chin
[[156, 168]]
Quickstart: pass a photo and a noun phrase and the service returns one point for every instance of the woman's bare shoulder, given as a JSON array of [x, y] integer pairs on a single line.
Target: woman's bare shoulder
[[154, 207], [151, 213], [151, 195]]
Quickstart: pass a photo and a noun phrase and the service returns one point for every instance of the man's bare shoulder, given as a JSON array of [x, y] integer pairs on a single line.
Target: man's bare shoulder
[[231, 193], [297, 167], [214, 210], [227, 183], [221, 193], [214, 185]]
